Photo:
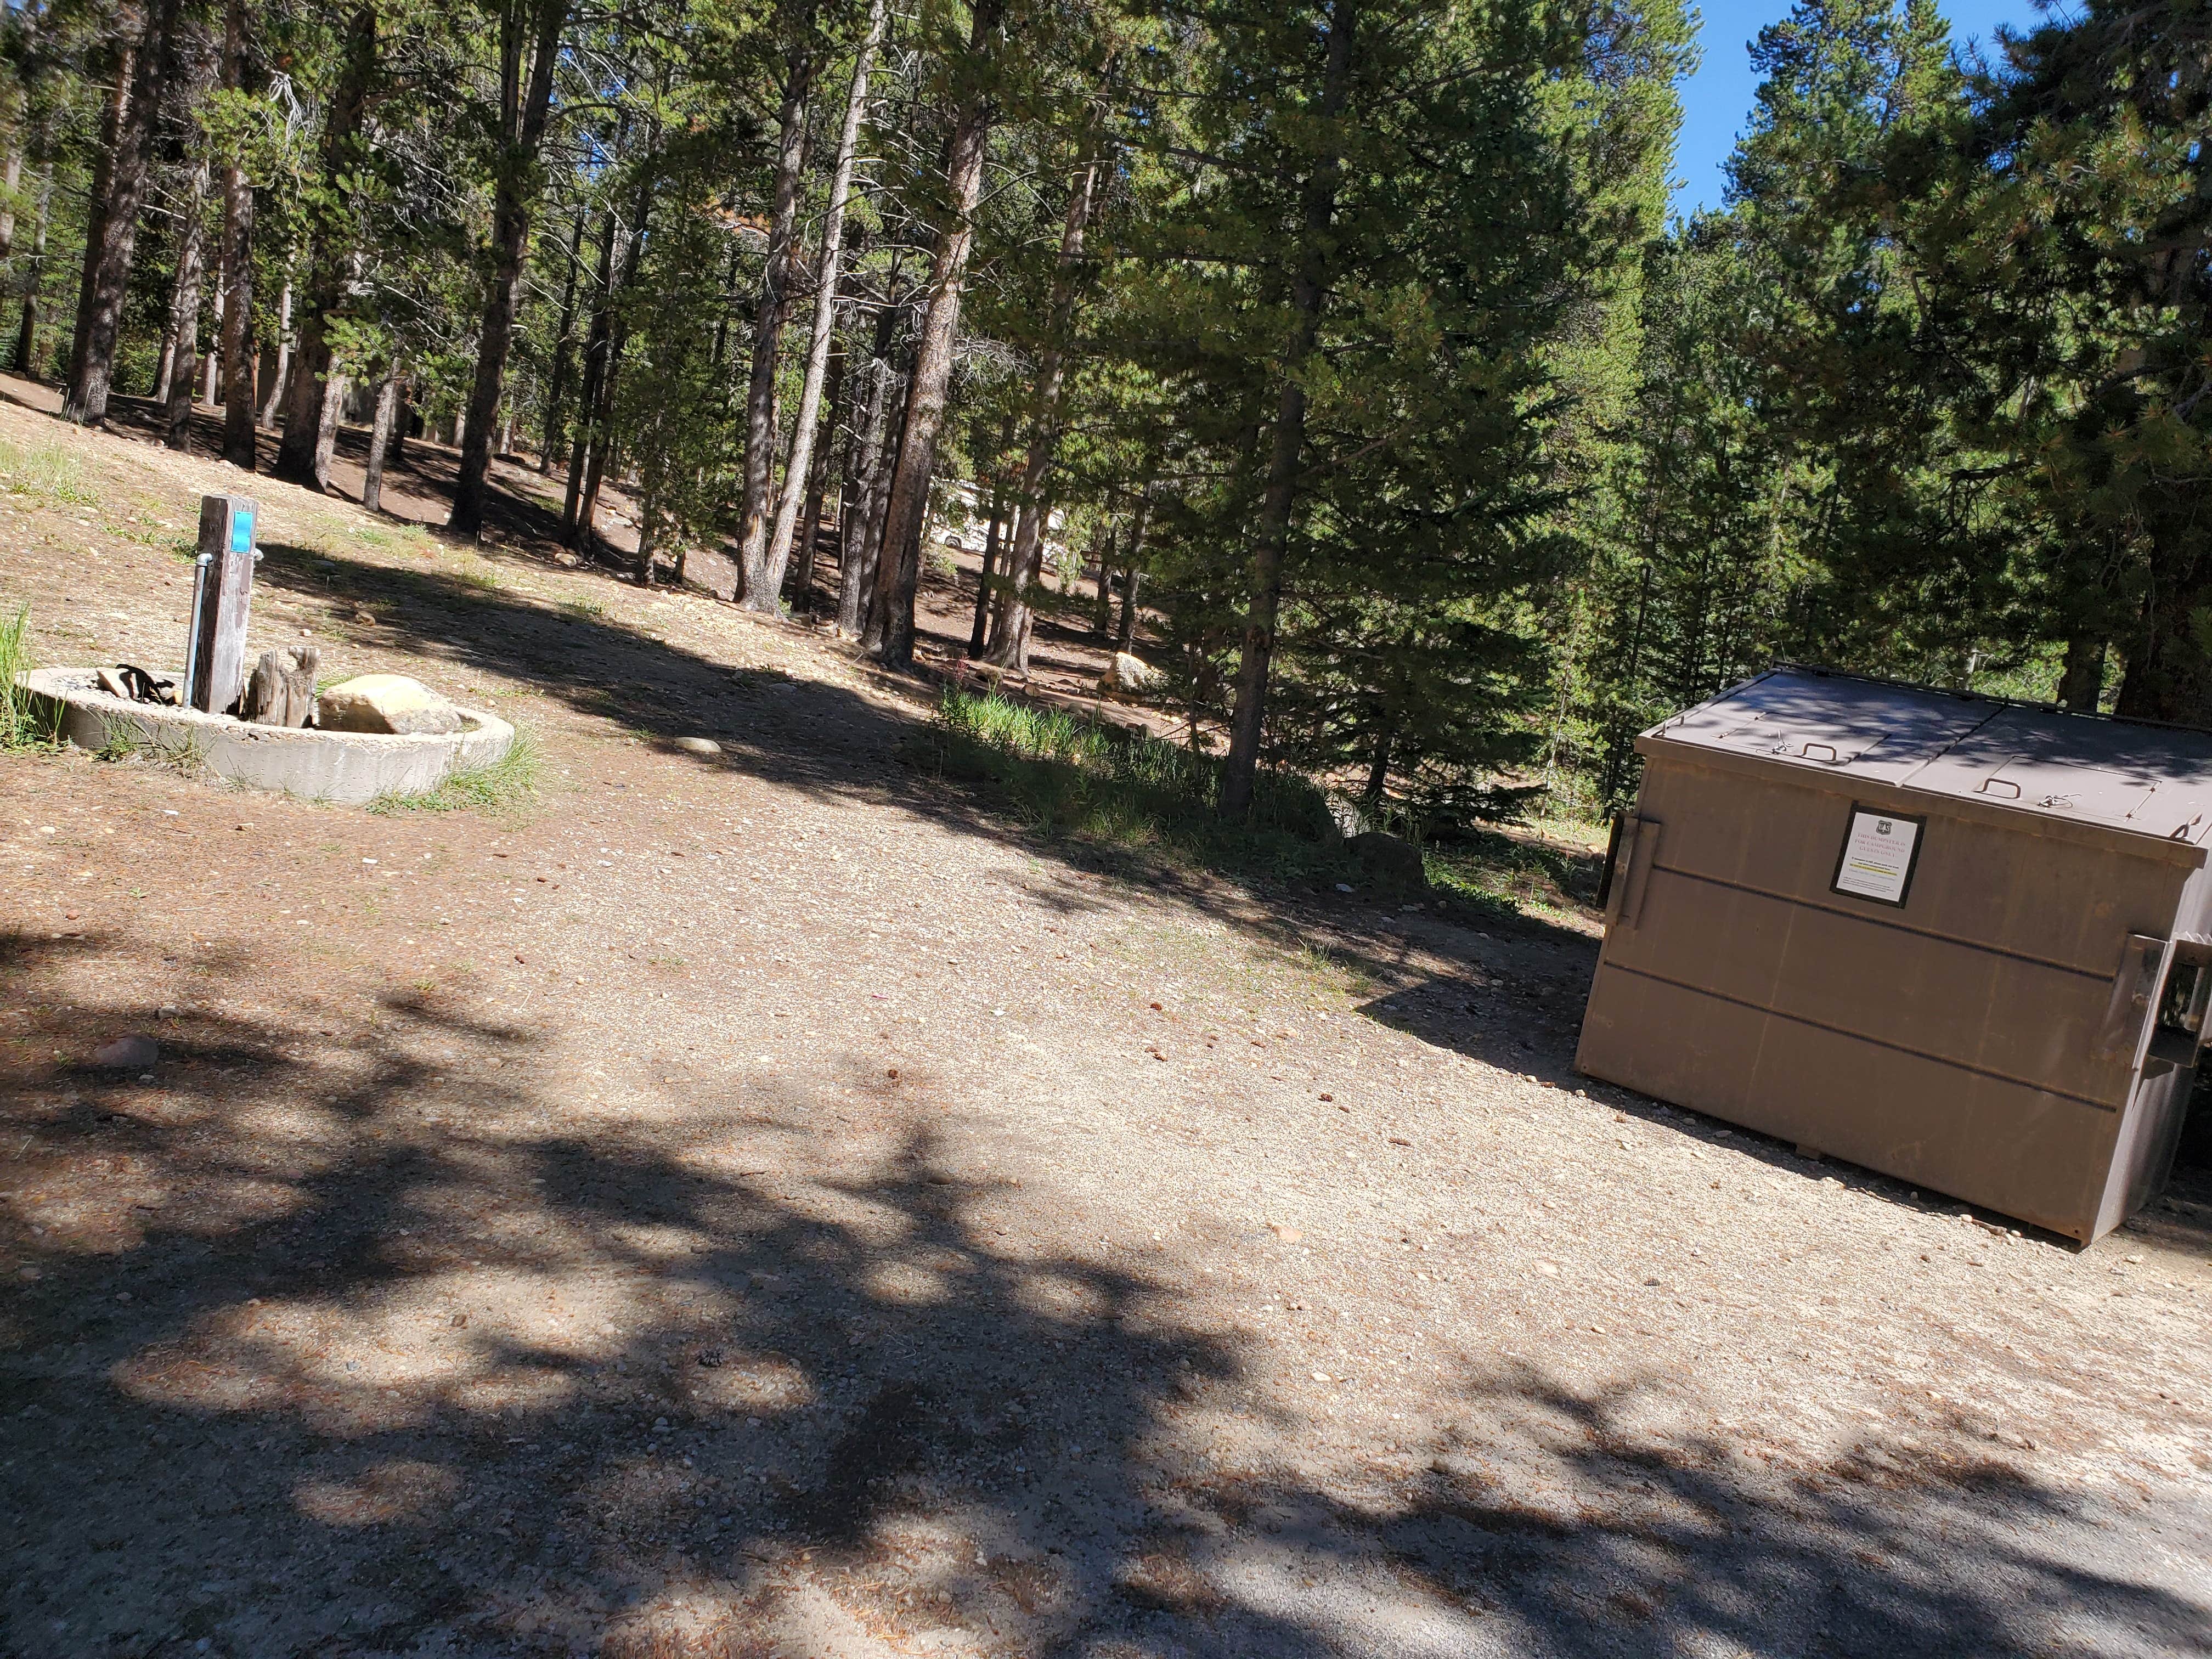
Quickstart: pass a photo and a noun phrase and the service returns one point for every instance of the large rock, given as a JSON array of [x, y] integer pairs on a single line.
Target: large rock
[[1390, 860], [128, 1054], [386, 702], [1128, 674]]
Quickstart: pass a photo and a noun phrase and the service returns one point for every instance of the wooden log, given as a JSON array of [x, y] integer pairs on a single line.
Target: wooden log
[[282, 691]]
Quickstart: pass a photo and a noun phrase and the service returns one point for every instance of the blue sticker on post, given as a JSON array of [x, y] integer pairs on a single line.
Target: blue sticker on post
[[241, 530]]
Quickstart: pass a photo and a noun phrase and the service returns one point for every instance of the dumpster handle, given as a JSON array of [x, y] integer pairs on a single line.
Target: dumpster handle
[[2135, 987], [1640, 846], [1609, 879]]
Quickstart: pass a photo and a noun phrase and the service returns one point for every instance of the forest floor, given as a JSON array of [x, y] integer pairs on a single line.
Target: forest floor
[[763, 1203]]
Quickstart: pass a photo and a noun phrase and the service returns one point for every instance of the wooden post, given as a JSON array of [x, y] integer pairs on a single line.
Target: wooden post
[[222, 591]]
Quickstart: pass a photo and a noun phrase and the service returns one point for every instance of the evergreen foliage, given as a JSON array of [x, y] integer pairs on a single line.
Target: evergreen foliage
[[1343, 342]]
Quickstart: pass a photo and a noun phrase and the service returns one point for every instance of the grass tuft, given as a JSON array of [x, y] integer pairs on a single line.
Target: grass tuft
[[1524, 874], [1085, 781], [48, 471], [23, 725], [505, 788]]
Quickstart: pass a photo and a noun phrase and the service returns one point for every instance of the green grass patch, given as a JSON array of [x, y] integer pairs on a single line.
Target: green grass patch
[[588, 610], [22, 724], [1515, 874], [1071, 779], [504, 789], [477, 574], [1081, 779], [49, 470]]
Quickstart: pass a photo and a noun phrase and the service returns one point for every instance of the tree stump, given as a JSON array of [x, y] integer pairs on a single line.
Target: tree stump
[[283, 689]]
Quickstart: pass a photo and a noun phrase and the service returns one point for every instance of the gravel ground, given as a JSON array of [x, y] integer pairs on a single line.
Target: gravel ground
[[760, 1204]]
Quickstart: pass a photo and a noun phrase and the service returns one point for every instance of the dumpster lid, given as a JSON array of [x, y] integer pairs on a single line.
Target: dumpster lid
[[2132, 777], [1830, 723]]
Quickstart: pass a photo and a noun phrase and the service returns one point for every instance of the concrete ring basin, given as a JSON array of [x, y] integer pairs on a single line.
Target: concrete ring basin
[[349, 766]]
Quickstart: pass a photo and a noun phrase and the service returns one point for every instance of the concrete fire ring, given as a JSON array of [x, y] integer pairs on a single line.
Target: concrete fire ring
[[348, 767]]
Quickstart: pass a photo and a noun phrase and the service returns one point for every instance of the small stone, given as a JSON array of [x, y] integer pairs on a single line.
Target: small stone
[[1321, 1376], [699, 745], [1328, 1097], [128, 1054], [1285, 1231], [1548, 1269], [660, 1425], [710, 1357], [1344, 887]]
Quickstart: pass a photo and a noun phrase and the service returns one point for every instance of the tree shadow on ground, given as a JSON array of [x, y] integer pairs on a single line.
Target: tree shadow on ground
[[825, 739], [406, 1348]]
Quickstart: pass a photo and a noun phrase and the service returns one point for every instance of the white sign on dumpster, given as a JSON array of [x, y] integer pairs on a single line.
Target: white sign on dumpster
[[1878, 850]]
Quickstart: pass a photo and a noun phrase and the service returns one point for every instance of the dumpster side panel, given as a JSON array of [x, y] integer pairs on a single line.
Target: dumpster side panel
[[1952, 1040], [2016, 1149]]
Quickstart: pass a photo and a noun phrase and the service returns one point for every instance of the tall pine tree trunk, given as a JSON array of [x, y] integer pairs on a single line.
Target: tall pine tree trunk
[[184, 315], [892, 616], [2082, 682], [93, 372], [873, 566], [27, 325], [563, 346], [113, 115], [978, 624], [238, 439], [1010, 629], [2169, 671], [865, 470], [297, 455], [779, 274], [525, 106], [797, 472], [1125, 632], [380, 440], [1102, 597], [809, 528], [601, 452], [276, 360], [1309, 286], [596, 343], [11, 170]]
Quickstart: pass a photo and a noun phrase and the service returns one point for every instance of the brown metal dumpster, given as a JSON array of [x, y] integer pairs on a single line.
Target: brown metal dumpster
[[1962, 941]]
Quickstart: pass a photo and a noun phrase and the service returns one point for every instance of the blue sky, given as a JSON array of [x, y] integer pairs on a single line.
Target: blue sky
[[1717, 101]]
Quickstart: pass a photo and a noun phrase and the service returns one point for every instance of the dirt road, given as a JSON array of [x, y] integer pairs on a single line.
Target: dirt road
[[760, 1204]]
